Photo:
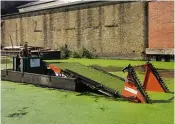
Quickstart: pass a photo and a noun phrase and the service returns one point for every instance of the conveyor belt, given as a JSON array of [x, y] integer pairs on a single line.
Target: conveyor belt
[[86, 76], [95, 75], [93, 84], [115, 76]]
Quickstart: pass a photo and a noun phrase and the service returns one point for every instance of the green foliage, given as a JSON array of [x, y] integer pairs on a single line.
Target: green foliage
[[65, 52], [75, 55], [86, 53], [82, 53]]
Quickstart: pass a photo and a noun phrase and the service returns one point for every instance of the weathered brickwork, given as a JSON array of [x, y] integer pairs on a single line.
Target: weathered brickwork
[[108, 30], [161, 24]]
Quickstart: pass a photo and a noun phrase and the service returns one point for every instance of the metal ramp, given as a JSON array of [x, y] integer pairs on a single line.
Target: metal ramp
[[93, 84], [132, 83], [104, 79]]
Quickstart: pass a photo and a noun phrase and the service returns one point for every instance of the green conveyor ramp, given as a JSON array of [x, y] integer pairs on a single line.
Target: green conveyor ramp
[[93, 74]]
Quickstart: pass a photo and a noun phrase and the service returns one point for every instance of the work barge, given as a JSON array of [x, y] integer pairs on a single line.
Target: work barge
[[33, 70], [35, 51]]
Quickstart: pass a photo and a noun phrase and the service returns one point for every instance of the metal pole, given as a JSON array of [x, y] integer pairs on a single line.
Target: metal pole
[[6, 62], [12, 47]]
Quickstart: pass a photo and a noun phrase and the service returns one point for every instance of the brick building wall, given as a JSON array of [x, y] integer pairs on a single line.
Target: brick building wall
[[161, 24], [107, 30]]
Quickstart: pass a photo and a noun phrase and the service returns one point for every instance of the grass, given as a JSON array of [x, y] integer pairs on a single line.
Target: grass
[[29, 104]]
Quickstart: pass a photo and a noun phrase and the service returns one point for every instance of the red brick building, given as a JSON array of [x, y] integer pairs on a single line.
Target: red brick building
[[161, 28]]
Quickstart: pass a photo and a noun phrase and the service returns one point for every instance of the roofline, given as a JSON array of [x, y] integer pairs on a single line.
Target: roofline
[[67, 5], [59, 5], [62, 5], [39, 2]]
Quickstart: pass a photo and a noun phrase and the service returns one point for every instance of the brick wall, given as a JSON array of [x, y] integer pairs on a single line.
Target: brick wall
[[161, 24], [107, 30]]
